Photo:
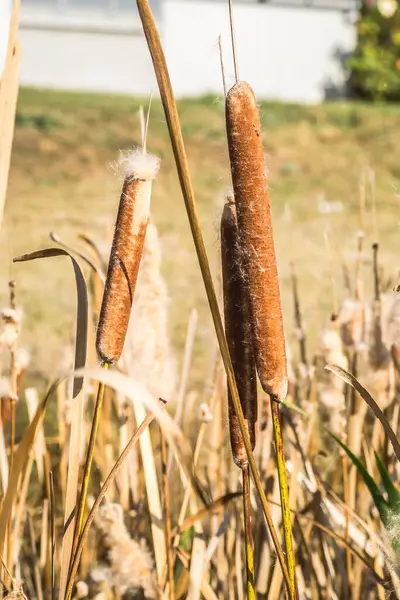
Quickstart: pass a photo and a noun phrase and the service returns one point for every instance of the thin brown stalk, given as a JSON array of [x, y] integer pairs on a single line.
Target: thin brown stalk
[[235, 60], [221, 60], [173, 123], [167, 517]]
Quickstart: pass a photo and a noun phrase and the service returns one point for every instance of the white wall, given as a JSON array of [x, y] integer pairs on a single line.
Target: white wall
[[78, 60], [287, 53]]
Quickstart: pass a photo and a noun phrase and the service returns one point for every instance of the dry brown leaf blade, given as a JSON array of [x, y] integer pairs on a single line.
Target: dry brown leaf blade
[[82, 307], [366, 396], [20, 458]]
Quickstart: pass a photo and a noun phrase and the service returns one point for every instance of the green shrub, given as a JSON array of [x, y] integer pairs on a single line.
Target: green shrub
[[375, 65]]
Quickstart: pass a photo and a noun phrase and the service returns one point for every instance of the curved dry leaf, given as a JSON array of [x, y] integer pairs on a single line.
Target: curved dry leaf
[[211, 509], [366, 396], [56, 238], [92, 244], [82, 307]]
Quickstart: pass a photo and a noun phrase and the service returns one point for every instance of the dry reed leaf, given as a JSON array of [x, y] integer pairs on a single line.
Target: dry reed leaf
[[215, 539], [351, 380], [20, 458], [215, 506], [123, 477], [187, 360], [153, 492], [9, 86], [56, 238], [39, 447], [95, 248], [82, 308], [71, 495], [197, 558], [206, 588]]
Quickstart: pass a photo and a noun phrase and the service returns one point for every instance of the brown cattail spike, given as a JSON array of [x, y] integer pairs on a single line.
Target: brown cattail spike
[[126, 252], [256, 238], [238, 335]]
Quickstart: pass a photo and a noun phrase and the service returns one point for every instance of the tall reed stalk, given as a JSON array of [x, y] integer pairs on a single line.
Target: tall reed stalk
[[172, 118]]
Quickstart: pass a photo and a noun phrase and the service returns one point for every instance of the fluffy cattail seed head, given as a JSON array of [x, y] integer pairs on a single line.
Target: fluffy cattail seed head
[[126, 252], [238, 335], [256, 238]]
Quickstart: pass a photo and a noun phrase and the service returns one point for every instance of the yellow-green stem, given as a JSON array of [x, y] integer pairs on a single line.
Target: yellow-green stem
[[173, 123], [248, 534], [87, 470], [284, 493]]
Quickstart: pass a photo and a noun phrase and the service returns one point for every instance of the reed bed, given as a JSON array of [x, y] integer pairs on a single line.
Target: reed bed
[[150, 489]]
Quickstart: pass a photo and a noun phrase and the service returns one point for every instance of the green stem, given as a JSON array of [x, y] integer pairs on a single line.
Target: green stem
[[248, 533], [284, 493], [86, 471]]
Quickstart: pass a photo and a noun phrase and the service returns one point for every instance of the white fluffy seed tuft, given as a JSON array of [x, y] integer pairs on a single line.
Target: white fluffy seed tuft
[[139, 165]]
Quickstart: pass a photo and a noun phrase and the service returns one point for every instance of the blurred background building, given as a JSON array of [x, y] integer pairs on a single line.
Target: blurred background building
[[290, 49]]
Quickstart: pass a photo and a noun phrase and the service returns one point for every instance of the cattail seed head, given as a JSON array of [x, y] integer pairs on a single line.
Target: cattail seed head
[[238, 335], [126, 252], [256, 238]]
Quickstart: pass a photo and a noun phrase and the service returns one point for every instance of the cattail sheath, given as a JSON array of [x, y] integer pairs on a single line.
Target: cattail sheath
[[126, 252], [238, 335], [256, 238]]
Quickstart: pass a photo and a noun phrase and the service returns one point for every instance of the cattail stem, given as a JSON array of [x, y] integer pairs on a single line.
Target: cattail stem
[[284, 493], [172, 118], [87, 469], [248, 533], [167, 517]]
